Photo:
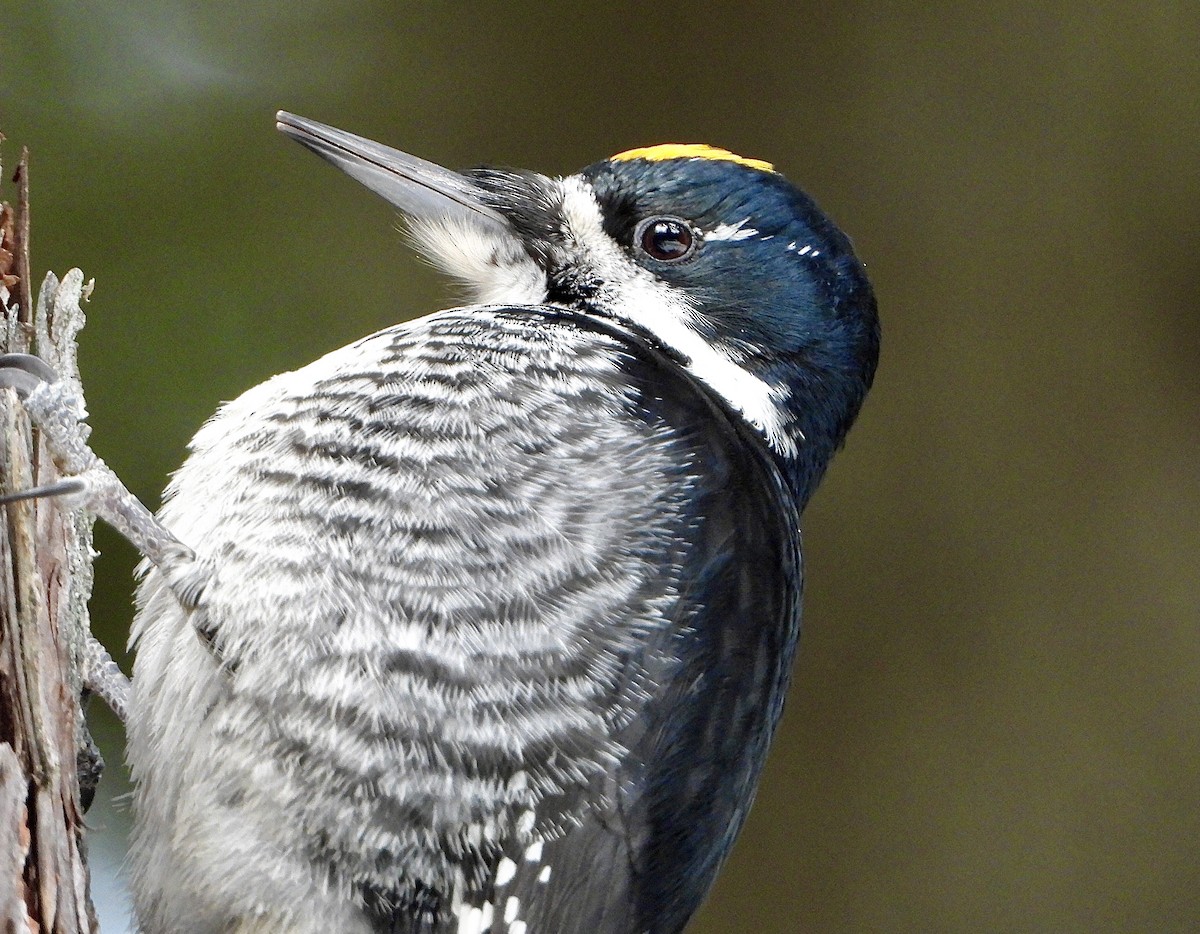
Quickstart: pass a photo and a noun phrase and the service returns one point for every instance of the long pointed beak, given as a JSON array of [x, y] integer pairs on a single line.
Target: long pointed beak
[[421, 190]]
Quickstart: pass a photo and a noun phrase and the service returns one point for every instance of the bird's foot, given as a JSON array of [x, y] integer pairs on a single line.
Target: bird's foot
[[104, 677], [58, 412]]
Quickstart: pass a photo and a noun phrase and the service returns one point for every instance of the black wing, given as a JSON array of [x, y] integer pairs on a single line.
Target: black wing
[[714, 685], [526, 607]]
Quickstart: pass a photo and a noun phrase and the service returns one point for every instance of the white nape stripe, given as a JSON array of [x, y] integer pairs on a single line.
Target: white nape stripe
[[635, 295]]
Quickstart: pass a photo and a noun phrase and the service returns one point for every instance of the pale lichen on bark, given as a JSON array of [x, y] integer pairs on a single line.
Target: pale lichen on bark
[[45, 582]]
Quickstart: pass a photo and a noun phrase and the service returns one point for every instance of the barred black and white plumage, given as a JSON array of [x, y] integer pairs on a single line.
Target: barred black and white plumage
[[499, 606]]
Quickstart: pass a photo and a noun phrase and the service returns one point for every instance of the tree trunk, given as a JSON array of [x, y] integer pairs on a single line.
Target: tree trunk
[[45, 581]]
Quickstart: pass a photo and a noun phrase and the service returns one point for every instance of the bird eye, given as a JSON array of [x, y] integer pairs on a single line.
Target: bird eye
[[666, 239]]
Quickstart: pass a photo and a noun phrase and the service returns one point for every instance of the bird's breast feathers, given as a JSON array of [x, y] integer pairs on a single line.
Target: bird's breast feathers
[[448, 573]]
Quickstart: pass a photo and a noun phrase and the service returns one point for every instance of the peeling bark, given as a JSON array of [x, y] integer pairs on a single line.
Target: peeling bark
[[45, 581]]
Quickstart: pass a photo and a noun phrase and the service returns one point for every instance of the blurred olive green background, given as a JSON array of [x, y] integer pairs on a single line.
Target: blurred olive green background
[[994, 725]]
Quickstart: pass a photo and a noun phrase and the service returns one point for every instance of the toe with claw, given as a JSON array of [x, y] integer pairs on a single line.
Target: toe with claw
[[58, 412]]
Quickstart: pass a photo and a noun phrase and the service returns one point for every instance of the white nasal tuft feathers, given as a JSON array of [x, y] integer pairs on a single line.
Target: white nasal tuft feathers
[[492, 261], [489, 260]]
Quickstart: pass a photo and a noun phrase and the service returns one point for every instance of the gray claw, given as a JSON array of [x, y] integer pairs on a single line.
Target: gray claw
[[30, 364], [62, 487], [24, 372], [24, 383]]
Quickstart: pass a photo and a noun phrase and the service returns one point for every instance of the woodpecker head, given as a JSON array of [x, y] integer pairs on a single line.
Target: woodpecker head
[[714, 258]]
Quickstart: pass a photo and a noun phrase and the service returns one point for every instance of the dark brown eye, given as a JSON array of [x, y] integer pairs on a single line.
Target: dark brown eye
[[666, 239]]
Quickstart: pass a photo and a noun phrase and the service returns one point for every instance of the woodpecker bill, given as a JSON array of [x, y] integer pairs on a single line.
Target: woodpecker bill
[[484, 622]]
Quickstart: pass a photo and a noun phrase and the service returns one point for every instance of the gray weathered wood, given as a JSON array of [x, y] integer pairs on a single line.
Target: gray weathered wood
[[45, 580]]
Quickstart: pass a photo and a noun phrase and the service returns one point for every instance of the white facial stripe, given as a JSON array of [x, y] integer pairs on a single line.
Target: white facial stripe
[[493, 265], [635, 295], [738, 231], [496, 268]]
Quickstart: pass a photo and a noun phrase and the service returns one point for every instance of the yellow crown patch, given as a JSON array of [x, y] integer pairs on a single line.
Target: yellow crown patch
[[690, 151]]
